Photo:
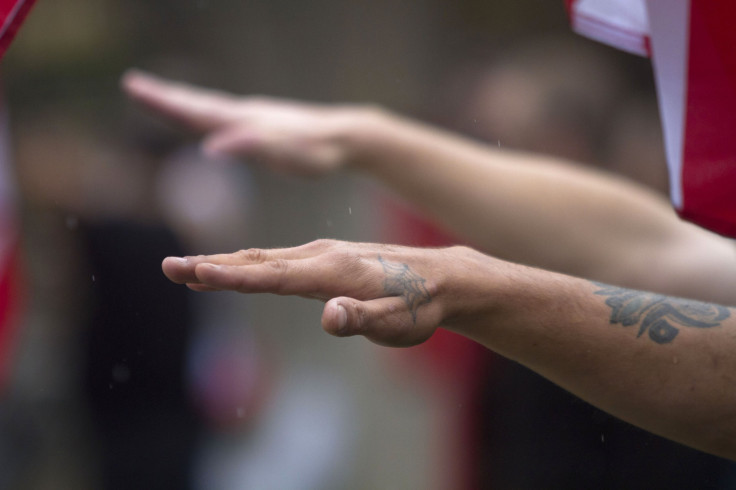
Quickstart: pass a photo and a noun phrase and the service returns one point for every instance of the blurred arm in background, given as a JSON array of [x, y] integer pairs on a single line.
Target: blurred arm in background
[[527, 208]]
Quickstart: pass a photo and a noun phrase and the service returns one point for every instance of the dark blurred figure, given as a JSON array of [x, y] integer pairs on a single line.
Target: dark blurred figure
[[114, 335], [136, 342], [538, 436]]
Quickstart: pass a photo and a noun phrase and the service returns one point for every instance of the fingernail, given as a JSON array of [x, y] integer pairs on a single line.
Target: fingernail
[[180, 260], [342, 318]]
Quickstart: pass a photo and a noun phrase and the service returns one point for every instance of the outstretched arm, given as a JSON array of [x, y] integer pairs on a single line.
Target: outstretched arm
[[662, 363], [517, 206]]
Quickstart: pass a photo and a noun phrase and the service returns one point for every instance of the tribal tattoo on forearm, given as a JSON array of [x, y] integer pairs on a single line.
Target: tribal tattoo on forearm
[[660, 316], [404, 282]]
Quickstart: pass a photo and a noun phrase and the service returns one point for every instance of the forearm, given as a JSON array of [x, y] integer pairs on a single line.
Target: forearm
[[537, 210], [520, 207], [662, 363], [629, 353]]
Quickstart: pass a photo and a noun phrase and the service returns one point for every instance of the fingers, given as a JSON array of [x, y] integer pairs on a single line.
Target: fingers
[[250, 140], [385, 321], [386, 301], [237, 140], [197, 108], [181, 270], [301, 277]]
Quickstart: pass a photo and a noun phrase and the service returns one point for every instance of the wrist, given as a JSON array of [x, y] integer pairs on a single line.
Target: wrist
[[494, 302], [361, 133], [475, 291]]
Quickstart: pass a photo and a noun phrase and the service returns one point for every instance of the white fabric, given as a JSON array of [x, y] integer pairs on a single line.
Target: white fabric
[[623, 24], [669, 45], [653, 28]]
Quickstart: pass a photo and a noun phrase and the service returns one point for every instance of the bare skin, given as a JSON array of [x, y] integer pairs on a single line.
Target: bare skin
[[656, 360], [659, 362], [521, 207]]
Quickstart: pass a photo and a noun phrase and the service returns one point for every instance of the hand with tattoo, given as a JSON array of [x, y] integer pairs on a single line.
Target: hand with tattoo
[[392, 295]]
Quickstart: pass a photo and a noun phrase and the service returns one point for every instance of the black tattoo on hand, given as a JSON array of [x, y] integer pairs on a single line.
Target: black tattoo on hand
[[660, 316], [402, 281]]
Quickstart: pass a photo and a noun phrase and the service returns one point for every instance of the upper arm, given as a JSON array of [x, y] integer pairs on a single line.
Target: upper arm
[[691, 262]]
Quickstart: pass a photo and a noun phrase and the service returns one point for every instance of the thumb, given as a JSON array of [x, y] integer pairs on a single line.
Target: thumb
[[384, 321], [249, 141], [233, 141]]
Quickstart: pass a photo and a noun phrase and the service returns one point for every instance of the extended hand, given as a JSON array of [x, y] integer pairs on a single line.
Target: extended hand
[[290, 137], [392, 295]]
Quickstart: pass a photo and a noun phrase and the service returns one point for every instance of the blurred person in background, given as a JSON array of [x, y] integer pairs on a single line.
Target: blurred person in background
[[15, 423], [154, 387], [95, 342]]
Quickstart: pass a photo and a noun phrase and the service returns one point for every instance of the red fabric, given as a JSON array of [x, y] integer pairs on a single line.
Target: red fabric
[[692, 48], [11, 279], [11, 301], [709, 162], [12, 15]]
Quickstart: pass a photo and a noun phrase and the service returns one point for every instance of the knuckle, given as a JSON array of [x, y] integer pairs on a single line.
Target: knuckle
[[324, 243], [279, 267], [349, 264], [252, 255], [463, 251], [343, 257], [360, 318]]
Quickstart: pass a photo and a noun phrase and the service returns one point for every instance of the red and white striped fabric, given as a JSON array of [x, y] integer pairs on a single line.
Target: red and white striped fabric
[[12, 14], [11, 297], [693, 50]]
